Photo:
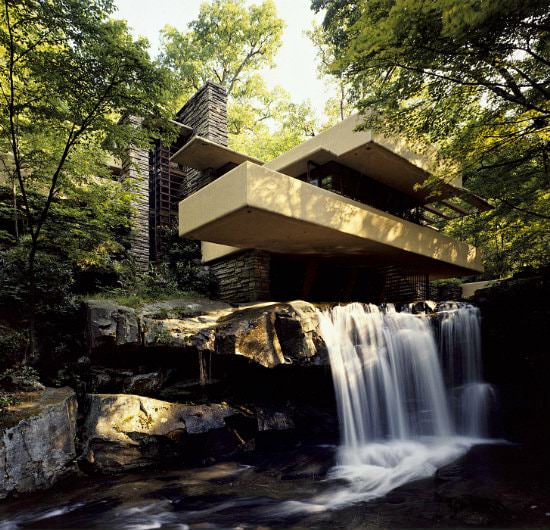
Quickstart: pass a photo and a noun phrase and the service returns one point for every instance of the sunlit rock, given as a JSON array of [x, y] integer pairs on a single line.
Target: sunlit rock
[[37, 441], [108, 323], [272, 334], [268, 334], [124, 431]]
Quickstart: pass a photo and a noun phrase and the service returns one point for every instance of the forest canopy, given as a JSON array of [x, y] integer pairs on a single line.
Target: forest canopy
[[473, 79]]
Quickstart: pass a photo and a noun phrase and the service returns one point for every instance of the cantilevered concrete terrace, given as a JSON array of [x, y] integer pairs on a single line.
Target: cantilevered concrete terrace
[[343, 192], [253, 206]]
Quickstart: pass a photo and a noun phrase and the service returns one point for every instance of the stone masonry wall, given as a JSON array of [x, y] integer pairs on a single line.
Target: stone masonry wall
[[243, 277], [206, 112], [136, 167]]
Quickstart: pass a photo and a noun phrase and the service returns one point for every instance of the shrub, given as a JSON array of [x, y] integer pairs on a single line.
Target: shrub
[[54, 280], [183, 257], [13, 345], [20, 378], [7, 400]]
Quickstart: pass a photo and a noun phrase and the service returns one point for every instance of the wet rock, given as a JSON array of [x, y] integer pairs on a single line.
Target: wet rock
[[128, 431], [297, 327], [274, 420], [37, 444], [250, 333], [109, 324], [273, 334]]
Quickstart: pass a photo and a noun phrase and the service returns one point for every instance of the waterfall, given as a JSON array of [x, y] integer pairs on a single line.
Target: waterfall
[[407, 402], [460, 345]]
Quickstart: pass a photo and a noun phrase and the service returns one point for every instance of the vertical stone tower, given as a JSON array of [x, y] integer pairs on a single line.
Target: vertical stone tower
[[242, 276], [135, 166], [206, 113], [161, 183]]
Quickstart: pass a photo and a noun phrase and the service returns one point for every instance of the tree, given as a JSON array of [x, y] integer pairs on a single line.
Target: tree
[[230, 43], [68, 76], [270, 123], [338, 107], [227, 43], [472, 78]]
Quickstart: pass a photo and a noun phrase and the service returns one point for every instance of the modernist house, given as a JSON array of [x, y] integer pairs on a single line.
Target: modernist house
[[339, 217]]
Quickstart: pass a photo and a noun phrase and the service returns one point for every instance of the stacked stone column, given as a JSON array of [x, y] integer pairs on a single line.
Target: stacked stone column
[[242, 277]]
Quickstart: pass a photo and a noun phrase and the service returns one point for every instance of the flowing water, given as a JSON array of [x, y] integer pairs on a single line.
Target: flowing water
[[460, 346], [405, 406], [411, 401]]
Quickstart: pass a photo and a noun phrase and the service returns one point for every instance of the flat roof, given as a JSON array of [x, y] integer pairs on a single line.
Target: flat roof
[[201, 153], [386, 160]]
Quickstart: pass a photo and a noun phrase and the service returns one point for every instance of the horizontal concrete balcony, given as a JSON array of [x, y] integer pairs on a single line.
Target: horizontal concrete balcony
[[252, 206]]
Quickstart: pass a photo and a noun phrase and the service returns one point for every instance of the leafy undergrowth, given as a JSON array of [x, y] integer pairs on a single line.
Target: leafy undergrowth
[[19, 385], [135, 300], [7, 400]]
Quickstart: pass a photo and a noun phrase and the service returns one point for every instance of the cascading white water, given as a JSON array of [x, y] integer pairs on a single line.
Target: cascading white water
[[460, 345], [396, 419], [386, 375]]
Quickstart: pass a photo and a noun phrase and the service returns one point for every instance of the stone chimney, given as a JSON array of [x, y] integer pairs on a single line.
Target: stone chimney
[[206, 113]]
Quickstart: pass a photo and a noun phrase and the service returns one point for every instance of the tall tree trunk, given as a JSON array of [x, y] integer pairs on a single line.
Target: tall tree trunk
[[32, 355], [15, 212]]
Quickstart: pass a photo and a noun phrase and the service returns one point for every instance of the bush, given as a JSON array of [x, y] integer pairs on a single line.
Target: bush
[[184, 261], [13, 345], [54, 280], [7, 400], [20, 378], [181, 273], [56, 307]]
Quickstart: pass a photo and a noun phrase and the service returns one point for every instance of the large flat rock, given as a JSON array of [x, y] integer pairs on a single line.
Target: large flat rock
[[123, 431], [269, 334]]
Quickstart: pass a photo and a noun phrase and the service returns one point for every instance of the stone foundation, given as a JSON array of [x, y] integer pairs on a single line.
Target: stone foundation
[[243, 277]]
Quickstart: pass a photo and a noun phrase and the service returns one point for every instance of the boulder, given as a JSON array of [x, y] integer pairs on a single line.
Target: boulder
[[108, 324], [124, 431], [182, 323], [106, 380], [251, 334], [273, 334], [37, 442], [269, 334], [144, 384]]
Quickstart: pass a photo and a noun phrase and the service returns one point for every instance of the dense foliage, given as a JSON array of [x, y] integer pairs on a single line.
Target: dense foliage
[[69, 77], [473, 79], [230, 43]]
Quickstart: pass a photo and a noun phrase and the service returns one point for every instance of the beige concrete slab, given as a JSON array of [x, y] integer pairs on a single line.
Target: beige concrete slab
[[387, 160], [469, 289], [255, 207], [200, 153], [213, 251]]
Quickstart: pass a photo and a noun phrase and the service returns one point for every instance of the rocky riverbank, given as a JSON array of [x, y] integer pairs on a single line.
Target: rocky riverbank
[[182, 381], [194, 382], [493, 486]]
